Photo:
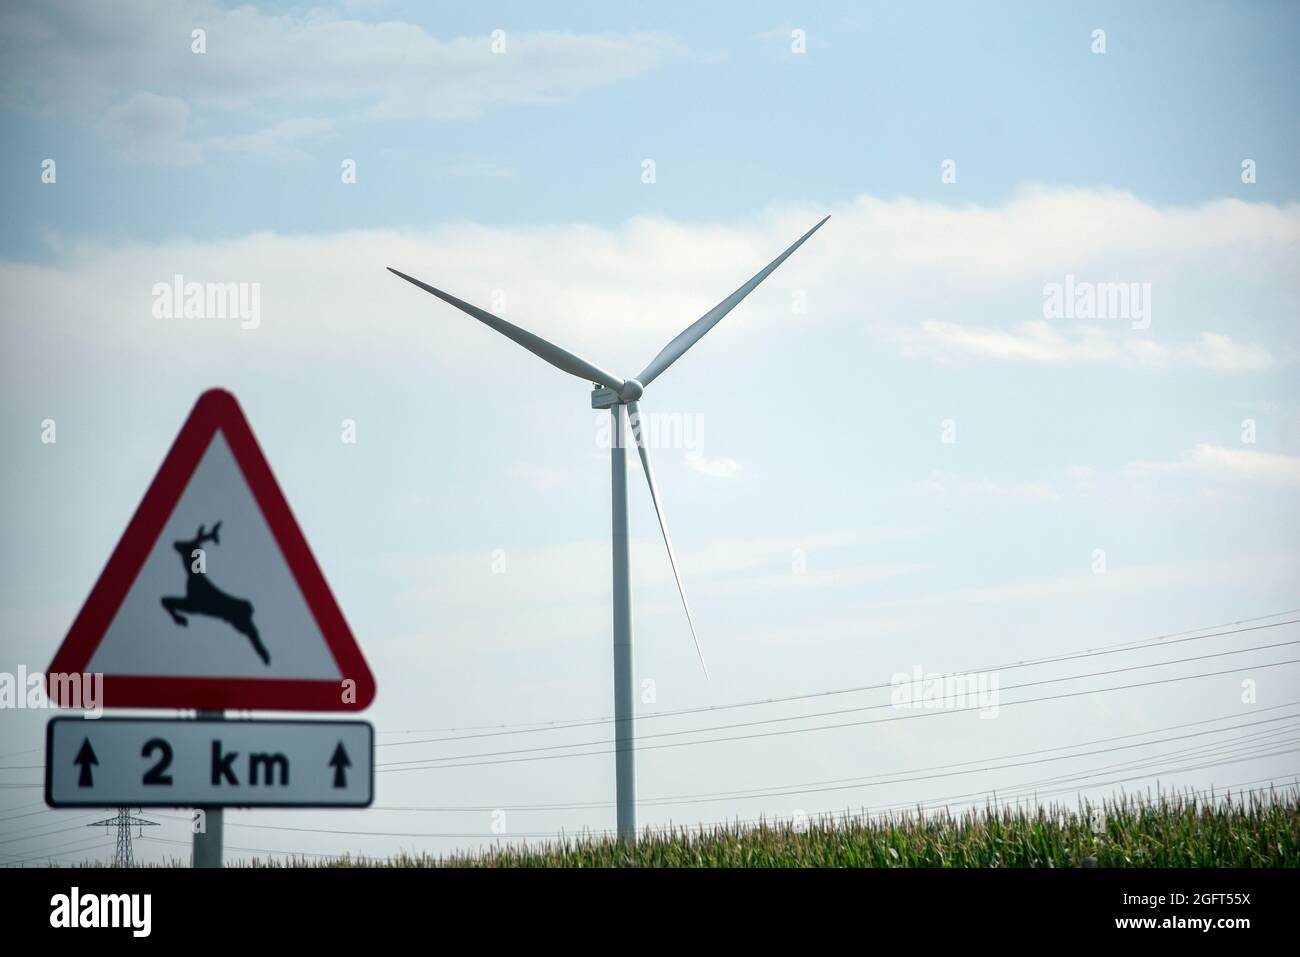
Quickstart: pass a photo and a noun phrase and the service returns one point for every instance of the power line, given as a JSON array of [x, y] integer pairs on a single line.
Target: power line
[[980, 799], [764, 792], [255, 850], [39, 805], [1034, 789], [590, 833], [840, 711], [670, 799], [873, 780], [566, 724], [994, 791], [39, 824], [1176, 754], [1270, 786], [14, 754], [417, 764], [66, 848], [1159, 764]]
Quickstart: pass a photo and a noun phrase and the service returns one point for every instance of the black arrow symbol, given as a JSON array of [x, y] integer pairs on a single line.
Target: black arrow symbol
[[85, 758], [338, 763]]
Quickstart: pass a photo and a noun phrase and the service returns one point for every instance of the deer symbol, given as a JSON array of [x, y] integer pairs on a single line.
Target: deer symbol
[[204, 598]]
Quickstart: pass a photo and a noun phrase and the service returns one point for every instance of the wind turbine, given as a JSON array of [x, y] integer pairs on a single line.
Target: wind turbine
[[613, 393]]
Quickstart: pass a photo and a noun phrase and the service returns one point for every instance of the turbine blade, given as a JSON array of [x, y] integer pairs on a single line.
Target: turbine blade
[[634, 417], [696, 330], [560, 358]]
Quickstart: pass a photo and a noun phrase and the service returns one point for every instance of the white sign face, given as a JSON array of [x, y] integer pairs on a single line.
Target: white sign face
[[145, 762], [215, 596], [212, 599]]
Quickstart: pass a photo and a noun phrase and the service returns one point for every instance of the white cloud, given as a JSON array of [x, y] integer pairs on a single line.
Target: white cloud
[[565, 572], [1202, 473], [720, 467], [944, 484], [565, 282], [1086, 586], [84, 60], [1220, 353], [1226, 464], [155, 129], [278, 142], [1043, 234], [1042, 341], [1034, 341]]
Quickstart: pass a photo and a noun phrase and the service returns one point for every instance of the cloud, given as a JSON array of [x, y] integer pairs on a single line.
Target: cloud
[[1226, 465], [1219, 353], [149, 128], [783, 40], [76, 60], [716, 467], [560, 573], [1042, 341], [867, 274], [277, 142], [153, 128], [1204, 470], [1046, 233], [910, 614], [1033, 342], [944, 484], [1086, 586]]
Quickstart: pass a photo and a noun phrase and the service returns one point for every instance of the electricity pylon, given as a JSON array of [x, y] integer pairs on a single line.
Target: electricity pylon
[[124, 821]]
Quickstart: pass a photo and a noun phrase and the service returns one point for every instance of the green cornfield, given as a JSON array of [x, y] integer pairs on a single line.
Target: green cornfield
[[1259, 830]]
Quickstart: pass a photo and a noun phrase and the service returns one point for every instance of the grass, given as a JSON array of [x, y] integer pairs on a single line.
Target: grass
[[1258, 830]]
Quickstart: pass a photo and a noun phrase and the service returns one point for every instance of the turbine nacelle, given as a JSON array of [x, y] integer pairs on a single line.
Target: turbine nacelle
[[603, 397]]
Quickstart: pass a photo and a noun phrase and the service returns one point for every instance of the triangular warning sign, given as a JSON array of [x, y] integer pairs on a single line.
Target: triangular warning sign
[[212, 598]]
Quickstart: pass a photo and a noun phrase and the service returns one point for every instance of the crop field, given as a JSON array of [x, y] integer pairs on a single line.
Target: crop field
[[1255, 830]]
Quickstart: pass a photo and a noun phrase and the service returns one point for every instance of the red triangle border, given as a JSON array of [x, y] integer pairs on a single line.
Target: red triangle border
[[215, 409]]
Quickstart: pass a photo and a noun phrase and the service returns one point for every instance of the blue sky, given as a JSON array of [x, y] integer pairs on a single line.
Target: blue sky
[[728, 112], [823, 402]]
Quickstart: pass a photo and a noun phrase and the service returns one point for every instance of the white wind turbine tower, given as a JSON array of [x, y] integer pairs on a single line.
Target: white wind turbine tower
[[612, 392]]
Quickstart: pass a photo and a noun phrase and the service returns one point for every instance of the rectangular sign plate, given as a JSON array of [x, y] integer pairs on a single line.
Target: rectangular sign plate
[[205, 762]]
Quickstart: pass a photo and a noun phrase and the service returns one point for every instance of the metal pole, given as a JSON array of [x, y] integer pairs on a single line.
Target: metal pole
[[207, 843], [624, 756]]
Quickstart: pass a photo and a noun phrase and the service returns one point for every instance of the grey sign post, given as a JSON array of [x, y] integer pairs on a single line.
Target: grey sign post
[[209, 827]]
